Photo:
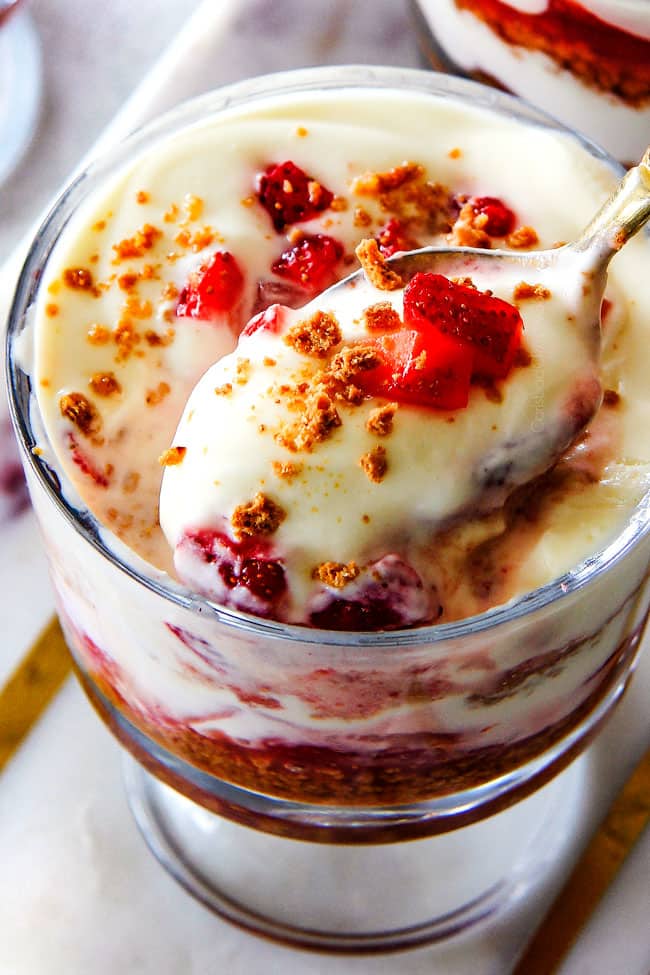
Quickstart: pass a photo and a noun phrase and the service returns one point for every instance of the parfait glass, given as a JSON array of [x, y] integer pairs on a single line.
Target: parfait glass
[[341, 791]]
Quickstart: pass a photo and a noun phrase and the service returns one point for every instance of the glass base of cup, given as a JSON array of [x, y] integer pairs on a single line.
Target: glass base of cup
[[357, 899]]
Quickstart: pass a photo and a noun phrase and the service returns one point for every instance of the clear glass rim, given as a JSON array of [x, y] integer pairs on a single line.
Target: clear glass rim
[[191, 112]]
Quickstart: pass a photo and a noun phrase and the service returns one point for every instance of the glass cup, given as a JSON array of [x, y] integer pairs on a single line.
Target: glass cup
[[588, 63], [296, 753]]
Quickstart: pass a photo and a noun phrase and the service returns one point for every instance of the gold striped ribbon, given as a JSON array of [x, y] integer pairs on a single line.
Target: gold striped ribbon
[[39, 676], [31, 687]]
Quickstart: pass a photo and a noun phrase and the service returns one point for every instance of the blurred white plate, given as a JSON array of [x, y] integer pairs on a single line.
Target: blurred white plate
[[20, 88]]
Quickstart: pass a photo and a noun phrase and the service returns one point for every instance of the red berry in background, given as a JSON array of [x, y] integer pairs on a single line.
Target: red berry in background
[[425, 368], [500, 218], [213, 290], [290, 195], [311, 263], [392, 237], [488, 326]]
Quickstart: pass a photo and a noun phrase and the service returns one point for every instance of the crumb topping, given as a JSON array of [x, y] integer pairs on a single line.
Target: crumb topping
[[376, 184], [79, 279], [155, 338], [353, 359], [521, 238], [155, 396], [137, 246], [98, 335], [243, 371], [381, 317], [261, 516], [79, 410], [336, 574], [142, 196], [374, 464], [406, 192], [380, 420], [105, 384], [535, 292], [172, 456], [376, 267], [286, 470], [469, 229], [316, 423], [224, 390], [126, 337], [315, 336]]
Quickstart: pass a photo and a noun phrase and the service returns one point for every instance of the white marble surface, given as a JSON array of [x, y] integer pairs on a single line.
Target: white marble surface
[[78, 891]]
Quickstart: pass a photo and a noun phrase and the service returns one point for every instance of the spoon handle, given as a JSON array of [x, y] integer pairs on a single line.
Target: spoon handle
[[623, 214]]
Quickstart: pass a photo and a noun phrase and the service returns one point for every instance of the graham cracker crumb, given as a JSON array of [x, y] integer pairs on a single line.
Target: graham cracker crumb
[[224, 390], [261, 516], [361, 217], [81, 412], [98, 335], [157, 395], [374, 184], [353, 359], [172, 456], [317, 422], [455, 153], [522, 238], [243, 371], [536, 292], [316, 335], [141, 242], [131, 482], [339, 204], [154, 338], [380, 420], [336, 574], [286, 470], [79, 279], [381, 317], [468, 229], [376, 268], [374, 464], [127, 281], [142, 197], [105, 384], [126, 337]]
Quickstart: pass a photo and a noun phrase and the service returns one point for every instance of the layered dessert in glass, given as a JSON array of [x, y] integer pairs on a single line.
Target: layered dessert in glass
[[585, 61], [284, 585]]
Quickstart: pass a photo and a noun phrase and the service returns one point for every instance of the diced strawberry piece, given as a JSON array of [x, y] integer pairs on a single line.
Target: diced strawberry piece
[[393, 238], [85, 464], [240, 573], [290, 196], [500, 218], [489, 326], [270, 320], [213, 290], [424, 368], [389, 594], [311, 263]]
